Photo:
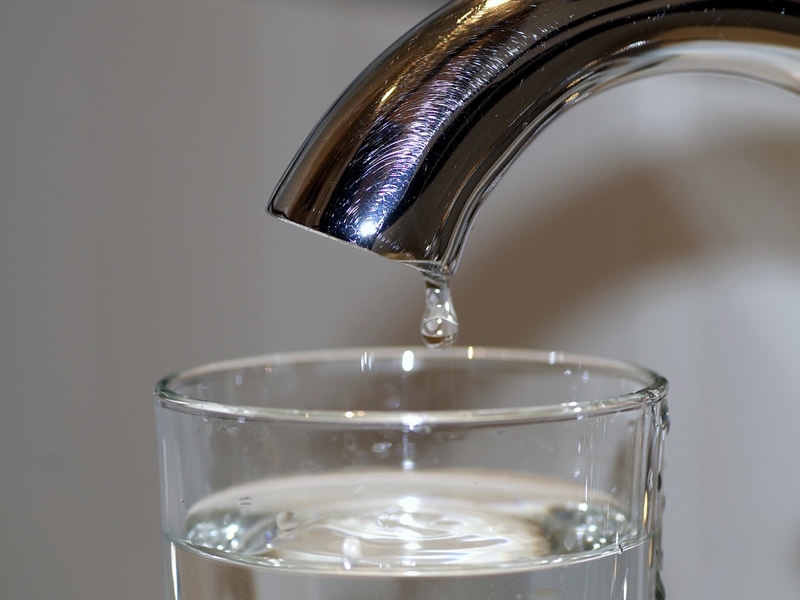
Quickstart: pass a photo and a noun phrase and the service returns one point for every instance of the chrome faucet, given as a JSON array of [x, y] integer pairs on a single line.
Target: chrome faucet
[[402, 161]]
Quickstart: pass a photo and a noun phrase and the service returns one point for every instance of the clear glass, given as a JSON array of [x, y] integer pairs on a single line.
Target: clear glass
[[413, 474]]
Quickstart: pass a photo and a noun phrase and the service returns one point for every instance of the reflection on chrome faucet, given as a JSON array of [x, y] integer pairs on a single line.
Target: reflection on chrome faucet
[[404, 158]]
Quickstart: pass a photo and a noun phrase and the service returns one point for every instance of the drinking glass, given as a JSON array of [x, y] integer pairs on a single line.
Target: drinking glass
[[412, 474]]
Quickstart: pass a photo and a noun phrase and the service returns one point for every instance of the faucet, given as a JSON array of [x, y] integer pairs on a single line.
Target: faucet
[[405, 157]]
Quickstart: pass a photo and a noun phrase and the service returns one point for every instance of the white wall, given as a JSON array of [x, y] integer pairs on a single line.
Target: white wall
[[139, 142]]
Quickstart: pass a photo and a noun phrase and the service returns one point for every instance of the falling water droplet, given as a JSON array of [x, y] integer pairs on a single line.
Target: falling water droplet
[[351, 552], [439, 326]]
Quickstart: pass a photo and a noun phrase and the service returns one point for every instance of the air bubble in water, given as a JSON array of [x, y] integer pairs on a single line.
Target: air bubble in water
[[439, 326], [351, 552], [381, 448], [286, 520]]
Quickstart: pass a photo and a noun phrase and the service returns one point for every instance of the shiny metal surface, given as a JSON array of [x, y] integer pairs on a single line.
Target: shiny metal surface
[[402, 161]]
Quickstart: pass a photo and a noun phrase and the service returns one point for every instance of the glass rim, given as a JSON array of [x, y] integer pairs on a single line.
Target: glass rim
[[649, 393]]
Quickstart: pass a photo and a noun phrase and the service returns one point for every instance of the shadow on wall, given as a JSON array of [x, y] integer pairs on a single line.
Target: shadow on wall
[[706, 208], [610, 231], [585, 243]]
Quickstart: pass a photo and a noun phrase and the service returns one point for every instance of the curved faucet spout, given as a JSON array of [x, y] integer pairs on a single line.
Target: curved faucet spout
[[404, 158]]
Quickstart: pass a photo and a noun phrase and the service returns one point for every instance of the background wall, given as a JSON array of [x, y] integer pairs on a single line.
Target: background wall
[[139, 142]]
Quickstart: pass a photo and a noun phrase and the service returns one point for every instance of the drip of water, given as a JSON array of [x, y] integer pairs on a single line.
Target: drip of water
[[439, 326]]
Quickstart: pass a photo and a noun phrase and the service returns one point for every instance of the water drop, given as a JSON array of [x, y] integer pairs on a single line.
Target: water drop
[[570, 540], [439, 326], [351, 552], [665, 420], [381, 448], [421, 429], [286, 520]]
